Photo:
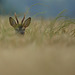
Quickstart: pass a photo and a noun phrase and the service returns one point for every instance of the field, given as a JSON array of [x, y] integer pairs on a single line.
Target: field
[[47, 48]]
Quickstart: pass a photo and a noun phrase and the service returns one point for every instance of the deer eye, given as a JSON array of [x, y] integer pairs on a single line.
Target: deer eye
[[17, 29]]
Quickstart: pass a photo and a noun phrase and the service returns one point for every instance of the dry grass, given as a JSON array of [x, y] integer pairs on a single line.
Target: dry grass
[[47, 48]]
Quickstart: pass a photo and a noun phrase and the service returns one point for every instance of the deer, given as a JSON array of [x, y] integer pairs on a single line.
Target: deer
[[20, 27]]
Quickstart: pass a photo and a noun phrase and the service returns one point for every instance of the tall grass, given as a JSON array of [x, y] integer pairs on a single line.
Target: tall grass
[[40, 30], [47, 48]]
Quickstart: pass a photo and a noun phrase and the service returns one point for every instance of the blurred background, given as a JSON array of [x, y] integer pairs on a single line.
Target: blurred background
[[48, 46], [45, 8]]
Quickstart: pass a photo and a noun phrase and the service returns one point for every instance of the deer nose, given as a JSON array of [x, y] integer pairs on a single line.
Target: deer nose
[[22, 32]]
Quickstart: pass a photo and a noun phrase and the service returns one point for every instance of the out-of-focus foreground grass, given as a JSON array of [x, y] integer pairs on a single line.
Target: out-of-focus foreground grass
[[47, 48]]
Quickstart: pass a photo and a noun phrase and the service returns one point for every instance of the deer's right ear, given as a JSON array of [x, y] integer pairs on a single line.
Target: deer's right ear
[[27, 22], [12, 22]]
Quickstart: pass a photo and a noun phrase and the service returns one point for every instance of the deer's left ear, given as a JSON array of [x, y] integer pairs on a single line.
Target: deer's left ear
[[27, 22], [12, 22]]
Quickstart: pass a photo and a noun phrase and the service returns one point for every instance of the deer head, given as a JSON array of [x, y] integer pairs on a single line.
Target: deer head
[[19, 27]]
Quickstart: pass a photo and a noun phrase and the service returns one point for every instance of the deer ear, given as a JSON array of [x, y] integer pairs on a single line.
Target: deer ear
[[12, 22], [27, 22]]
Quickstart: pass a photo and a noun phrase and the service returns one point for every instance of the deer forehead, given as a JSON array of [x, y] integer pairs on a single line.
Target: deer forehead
[[19, 25]]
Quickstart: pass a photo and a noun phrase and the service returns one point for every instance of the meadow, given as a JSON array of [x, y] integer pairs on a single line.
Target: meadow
[[47, 48]]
